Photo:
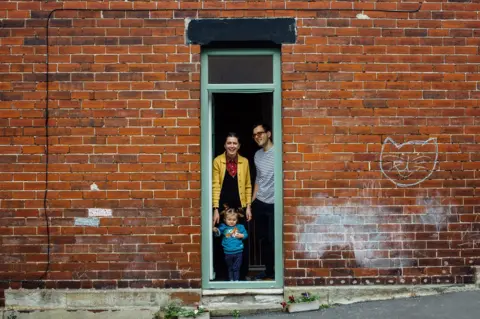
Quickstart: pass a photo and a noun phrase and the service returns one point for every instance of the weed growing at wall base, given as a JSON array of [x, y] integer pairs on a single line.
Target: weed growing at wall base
[[174, 310], [304, 297]]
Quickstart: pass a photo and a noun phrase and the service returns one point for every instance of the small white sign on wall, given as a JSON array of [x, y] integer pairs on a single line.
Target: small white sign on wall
[[99, 212], [90, 221]]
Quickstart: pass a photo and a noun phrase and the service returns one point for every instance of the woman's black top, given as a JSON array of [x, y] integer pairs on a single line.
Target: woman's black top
[[229, 193]]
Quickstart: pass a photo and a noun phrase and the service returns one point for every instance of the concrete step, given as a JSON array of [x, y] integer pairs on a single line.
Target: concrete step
[[223, 302]]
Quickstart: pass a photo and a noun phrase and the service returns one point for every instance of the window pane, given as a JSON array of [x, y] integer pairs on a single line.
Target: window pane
[[229, 69]]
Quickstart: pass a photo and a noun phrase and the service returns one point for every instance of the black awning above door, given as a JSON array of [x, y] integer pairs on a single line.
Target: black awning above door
[[209, 31]]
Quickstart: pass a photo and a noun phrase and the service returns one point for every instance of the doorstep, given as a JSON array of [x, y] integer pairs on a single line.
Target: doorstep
[[221, 302]]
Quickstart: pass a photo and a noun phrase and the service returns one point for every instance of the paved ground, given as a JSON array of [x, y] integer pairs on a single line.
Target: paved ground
[[459, 305]]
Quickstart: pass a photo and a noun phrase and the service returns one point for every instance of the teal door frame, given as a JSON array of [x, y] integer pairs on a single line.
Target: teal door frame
[[206, 123]]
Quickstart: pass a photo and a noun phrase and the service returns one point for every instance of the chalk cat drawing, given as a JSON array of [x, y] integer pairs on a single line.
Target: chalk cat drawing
[[410, 163]]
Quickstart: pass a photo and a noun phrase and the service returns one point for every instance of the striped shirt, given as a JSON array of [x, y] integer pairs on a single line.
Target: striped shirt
[[265, 164]]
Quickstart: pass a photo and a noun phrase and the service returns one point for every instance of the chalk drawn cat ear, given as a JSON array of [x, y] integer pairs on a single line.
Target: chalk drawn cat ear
[[406, 164], [389, 140]]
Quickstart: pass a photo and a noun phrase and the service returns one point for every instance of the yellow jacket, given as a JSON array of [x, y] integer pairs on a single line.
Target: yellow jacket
[[243, 177]]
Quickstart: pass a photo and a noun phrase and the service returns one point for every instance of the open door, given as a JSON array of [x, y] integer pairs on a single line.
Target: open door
[[239, 112], [235, 107]]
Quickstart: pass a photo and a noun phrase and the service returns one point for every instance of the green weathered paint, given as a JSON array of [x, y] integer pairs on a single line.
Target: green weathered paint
[[207, 158]]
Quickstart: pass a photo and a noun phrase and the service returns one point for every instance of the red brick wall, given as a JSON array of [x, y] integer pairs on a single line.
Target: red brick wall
[[350, 83], [124, 114], [123, 117]]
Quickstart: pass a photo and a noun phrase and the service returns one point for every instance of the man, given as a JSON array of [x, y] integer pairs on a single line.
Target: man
[[263, 197]]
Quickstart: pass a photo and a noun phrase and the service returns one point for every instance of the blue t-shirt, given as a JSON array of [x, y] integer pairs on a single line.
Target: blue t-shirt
[[232, 245]]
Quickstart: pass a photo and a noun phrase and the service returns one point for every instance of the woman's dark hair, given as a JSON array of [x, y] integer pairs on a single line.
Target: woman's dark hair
[[232, 134]]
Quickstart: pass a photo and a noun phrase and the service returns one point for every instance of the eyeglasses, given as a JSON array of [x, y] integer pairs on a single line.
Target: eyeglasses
[[258, 134]]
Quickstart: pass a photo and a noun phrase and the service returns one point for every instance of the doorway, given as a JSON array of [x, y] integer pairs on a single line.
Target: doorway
[[239, 112], [234, 97]]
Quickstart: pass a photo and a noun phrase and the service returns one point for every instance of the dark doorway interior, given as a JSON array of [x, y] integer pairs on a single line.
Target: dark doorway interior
[[238, 112]]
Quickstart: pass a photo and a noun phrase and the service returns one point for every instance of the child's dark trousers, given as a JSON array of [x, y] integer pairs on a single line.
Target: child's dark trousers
[[234, 262]]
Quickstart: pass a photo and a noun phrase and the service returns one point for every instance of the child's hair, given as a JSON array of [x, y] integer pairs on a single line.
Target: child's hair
[[231, 211]]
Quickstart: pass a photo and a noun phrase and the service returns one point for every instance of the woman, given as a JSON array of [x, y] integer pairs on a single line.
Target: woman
[[231, 187]]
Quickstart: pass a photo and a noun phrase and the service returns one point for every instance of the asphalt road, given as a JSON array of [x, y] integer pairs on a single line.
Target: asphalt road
[[459, 305]]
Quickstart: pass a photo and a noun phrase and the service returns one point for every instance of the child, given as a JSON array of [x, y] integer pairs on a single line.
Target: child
[[232, 241]]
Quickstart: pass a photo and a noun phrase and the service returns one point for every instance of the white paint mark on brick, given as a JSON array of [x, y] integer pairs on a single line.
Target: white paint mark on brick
[[435, 212], [89, 221], [99, 212], [354, 226], [94, 187], [363, 16]]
